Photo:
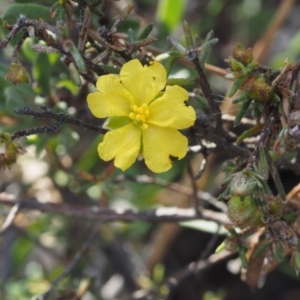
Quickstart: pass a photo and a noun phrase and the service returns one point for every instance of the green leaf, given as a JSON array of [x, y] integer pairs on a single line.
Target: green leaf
[[235, 86], [146, 31], [241, 112], [69, 85], [20, 249], [188, 35], [42, 72], [181, 81], [276, 178], [204, 225], [30, 11], [240, 98], [116, 122], [27, 51], [249, 132], [242, 253], [77, 58], [18, 96], [169, 12], [87, 160], [110, 69], [45, 2], [263, 162], [131, 35]]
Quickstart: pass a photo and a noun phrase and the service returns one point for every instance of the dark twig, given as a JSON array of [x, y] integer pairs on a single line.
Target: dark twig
[[205, 86], [162, 214], [40, 31], [72, 264], [203, 164], [21, 23], [195, 267], [60, 118], [207, 91], [210, 245], [18, 46], [265, 136], [84, 29], [197, 202], [204, 130]]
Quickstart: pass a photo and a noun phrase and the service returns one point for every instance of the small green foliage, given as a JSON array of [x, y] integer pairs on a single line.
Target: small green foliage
[[30, 10]]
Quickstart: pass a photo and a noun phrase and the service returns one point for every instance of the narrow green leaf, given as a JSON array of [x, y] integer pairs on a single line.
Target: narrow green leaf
[[240, 98], [77, 58], [235, 86], [188, 35], [204, 225], [241, 112], [181, 81], [177, 45], [146, 31], [242, 254], [42, 72], [276, 178], [131, 35], [263, 163], [261, 249], [249, 132], [110, 69]]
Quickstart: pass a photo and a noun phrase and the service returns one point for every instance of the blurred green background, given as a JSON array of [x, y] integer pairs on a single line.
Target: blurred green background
[[125, 257]]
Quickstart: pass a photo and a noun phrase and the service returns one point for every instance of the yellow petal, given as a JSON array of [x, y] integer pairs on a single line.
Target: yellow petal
[[123, 144], [143, 82], [159, 143], [111, 100], [170, 110]]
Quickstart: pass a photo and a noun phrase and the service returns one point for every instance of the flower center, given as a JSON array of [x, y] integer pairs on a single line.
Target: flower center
[[139, 115]]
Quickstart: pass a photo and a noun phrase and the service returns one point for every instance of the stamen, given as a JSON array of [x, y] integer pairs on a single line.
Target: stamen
[[139, 115], [132, 115]]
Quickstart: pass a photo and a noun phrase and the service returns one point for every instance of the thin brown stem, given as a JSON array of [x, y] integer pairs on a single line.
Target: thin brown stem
[[162, 214]]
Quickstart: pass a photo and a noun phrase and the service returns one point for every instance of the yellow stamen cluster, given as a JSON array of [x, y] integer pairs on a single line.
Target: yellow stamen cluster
[[140, 115]]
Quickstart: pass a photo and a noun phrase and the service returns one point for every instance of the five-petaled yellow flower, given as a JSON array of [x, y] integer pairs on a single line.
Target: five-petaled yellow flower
[[150, 118]]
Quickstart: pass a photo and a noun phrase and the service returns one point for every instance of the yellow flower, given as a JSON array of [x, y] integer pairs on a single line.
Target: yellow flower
[[149, 118]]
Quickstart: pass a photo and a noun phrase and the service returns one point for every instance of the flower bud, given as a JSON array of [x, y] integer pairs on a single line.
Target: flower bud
[[242, 184], [243, 55], [243, 212], [17, 74], [258, 89], [8, 151]]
